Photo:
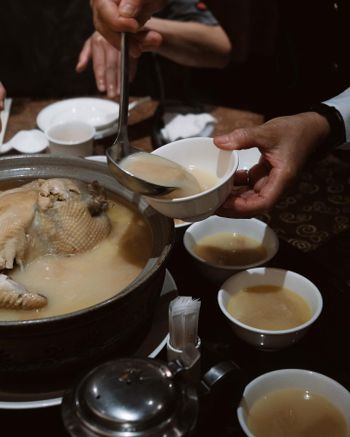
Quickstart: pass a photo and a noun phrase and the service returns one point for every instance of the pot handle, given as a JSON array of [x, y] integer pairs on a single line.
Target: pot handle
[[216, 375]]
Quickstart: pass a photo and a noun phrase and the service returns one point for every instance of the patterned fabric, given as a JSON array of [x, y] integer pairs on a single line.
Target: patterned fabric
[[317, 207]]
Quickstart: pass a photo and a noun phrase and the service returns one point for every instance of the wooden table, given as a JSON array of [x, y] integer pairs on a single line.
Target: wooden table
[[141, 121], [311, 213]]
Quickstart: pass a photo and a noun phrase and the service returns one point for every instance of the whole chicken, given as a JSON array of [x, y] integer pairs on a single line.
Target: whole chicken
[[58, 216]]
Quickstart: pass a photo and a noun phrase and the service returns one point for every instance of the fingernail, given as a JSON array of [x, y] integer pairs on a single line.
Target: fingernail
[[101, 85], [223, 139], [127, 10], [111, 91]]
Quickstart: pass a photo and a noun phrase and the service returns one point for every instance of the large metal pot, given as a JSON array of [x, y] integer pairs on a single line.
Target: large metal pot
[[61, 344]]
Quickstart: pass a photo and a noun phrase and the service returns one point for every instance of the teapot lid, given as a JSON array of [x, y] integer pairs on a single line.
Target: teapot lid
[[134, 395]]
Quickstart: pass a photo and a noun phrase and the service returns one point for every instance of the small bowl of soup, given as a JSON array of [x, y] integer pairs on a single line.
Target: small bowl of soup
[[294, 403], [204, 184], [222, 246], [270, 308]]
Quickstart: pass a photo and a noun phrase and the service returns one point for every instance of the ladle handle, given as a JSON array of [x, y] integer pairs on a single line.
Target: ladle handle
[[122, 135]]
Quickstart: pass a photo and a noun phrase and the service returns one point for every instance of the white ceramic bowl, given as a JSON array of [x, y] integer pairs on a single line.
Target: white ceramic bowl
[[282, 379], [262, 338], [74, 138], [201, 153], [253, 228]]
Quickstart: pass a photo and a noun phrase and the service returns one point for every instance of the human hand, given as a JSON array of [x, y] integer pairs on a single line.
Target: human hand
[[285, 144], [106, 60], [111, 17], [2, 99]]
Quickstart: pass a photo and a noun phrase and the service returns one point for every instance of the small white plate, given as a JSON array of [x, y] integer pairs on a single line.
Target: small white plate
[[247, 158], [100, 113], [98, 158], [151, 346]]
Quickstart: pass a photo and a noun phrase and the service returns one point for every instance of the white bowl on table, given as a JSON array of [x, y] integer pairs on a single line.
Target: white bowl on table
[[255, 229], [201, 153], [309, 382], [268, 339], [74, 138]]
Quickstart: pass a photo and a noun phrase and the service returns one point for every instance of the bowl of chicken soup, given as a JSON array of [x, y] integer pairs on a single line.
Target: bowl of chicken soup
[[294, 403], [203, 184], [82, 264], [270, 308], [222, 246]]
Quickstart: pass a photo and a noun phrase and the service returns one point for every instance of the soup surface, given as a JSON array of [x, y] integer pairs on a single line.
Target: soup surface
[[153, 168], [269, 307], [230, 249], [78, 281], [295, 413]]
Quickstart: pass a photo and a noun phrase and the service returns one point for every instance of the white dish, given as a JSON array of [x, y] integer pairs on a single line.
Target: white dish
[[98, 158], [248, 158], [200, 153], [252, 228], [268, 339], [285, 379], [151, 346], [100, 113]]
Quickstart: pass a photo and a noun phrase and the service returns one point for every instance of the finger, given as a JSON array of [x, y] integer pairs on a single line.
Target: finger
[[84, 56], [243, 138], [259, 198], [114, 38], [2, 96], [241, 178], [149, 41], [243, 204], [130, 8], [107, 17], [99, 65], [112, 72]]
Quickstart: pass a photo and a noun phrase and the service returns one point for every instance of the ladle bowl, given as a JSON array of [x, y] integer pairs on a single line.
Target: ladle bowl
[[129, 180]]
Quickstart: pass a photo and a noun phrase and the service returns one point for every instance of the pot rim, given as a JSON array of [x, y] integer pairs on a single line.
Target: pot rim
[[14, 171]]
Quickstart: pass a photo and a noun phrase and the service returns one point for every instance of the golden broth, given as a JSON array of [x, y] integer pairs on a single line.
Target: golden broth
[[75, 282], [269, 307], [155, 169], [204, 179], [295, 413], [230, 249]]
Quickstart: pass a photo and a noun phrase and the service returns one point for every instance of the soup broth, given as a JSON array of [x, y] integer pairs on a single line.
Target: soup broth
[[295, 413], [78, 281], [204, 179], [230, 249], [153, 168], [269, 307]]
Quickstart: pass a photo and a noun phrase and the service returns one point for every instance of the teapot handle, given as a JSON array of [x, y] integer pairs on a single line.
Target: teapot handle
[[216, 375]]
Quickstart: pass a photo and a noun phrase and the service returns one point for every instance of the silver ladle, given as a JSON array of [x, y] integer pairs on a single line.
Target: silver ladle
[[121, 148]]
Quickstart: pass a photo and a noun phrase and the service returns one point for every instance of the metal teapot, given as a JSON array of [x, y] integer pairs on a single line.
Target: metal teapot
[[138, 397]]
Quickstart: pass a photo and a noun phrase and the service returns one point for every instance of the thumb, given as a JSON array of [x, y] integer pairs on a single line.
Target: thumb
[[243, 138]]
